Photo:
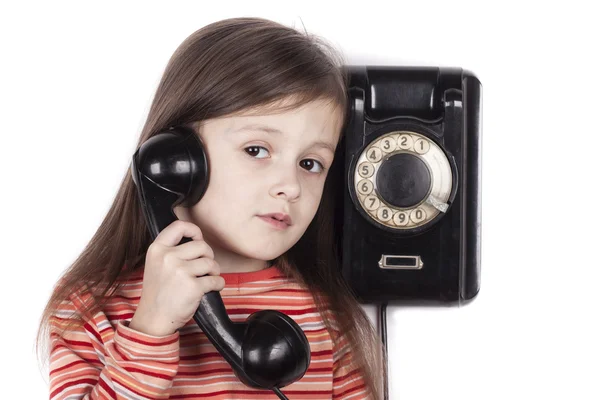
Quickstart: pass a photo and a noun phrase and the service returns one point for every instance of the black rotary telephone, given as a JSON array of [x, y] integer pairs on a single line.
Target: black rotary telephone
[[267, 351], [412, 208]]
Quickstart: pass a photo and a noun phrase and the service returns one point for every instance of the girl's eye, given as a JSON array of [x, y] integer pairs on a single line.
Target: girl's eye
[[310, 163], [254, 149]]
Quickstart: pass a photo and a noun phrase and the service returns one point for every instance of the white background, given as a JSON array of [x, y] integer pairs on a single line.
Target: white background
[[76, 84]]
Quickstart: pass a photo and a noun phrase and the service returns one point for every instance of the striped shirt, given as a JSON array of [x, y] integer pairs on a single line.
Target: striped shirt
[[103, 358]]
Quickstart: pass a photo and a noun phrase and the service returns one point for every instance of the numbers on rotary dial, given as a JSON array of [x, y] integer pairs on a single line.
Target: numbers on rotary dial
[[381, 149]]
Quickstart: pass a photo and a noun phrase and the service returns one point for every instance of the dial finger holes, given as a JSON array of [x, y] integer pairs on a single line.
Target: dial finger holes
[[365, 186], [421, 146], [374, 154], [388, 144], [402, 180], [372, 202], [384, 213], [417, 215], [366, 169], [400, 218], [405, 142]]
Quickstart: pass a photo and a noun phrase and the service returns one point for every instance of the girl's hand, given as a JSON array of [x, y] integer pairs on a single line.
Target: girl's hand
[[173, 282]]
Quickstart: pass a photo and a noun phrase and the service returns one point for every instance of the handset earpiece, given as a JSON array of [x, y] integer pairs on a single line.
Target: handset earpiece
[[267, 351]]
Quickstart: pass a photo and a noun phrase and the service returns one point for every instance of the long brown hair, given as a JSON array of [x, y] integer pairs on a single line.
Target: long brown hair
[[223, 68]]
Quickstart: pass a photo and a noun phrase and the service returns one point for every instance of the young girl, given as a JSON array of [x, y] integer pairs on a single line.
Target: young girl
[[269, 104]]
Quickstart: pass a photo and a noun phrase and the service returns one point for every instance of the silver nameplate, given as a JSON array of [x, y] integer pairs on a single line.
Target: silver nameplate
[[400, 262]]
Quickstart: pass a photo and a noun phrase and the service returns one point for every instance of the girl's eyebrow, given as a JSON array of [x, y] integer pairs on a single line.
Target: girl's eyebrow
[[271, 130], [258, 127]]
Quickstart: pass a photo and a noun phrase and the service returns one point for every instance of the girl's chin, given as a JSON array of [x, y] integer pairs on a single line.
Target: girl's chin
[[259, 244]]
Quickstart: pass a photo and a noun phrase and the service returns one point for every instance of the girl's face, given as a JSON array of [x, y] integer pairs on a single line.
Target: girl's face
[[260, 164]]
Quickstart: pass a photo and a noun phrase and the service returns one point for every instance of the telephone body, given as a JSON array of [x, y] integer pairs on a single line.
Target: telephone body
[[411, 225]]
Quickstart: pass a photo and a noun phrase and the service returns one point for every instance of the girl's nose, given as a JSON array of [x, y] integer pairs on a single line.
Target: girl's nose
[[287, 183]]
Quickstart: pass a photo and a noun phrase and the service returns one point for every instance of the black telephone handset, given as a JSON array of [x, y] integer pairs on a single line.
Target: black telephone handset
[[267, 351]]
